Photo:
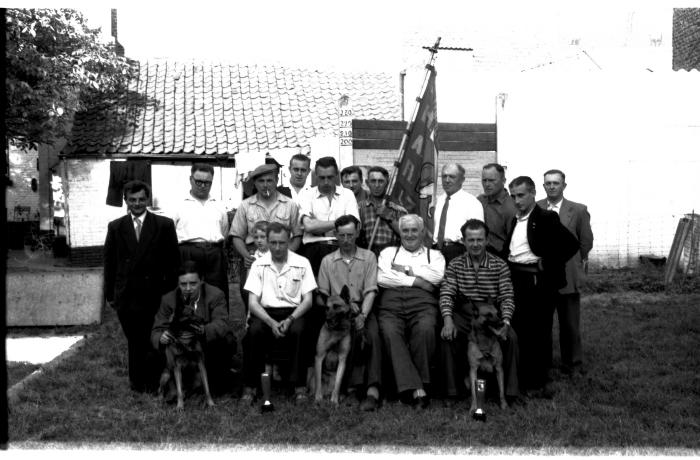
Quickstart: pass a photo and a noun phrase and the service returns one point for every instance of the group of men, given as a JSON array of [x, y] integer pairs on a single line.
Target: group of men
[[414, 297]]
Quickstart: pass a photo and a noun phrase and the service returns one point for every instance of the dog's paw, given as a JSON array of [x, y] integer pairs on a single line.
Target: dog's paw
[[472, 409], [180, 407], [318, 398], [210, 403], [335, 399], [504, 404]]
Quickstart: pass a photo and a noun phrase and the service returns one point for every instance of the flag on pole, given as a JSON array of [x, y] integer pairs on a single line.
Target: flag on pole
[[416, 177]]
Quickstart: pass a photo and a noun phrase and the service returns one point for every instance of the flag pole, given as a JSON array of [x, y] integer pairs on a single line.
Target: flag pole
[[404, 139]]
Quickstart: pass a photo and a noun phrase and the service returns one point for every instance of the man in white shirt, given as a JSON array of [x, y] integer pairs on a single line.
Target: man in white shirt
[[299, 169], [452, 210], [201, 223], [320, 206], [280, 286], [539, 246], [407, 309]]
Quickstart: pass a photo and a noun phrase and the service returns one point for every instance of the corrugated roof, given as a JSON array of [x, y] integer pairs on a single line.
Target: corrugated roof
[[213, 109]]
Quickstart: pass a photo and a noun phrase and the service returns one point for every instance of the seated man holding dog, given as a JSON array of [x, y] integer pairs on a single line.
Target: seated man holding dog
[[214, 330], [410, 276], [356, 268], [280, 286], [474, 277]]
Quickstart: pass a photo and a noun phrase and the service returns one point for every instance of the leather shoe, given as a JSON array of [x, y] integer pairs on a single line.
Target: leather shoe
[[369, 404], [422, 401]]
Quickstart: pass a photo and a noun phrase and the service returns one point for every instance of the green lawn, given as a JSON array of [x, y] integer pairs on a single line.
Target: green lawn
[[641, 395]]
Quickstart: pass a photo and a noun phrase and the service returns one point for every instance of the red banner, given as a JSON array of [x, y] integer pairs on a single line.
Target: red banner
[[415, 173]]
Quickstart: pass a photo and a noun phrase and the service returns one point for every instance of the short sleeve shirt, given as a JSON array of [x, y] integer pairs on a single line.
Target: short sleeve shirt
[[251, 210], [283, 288], [359, 274], [316, 205]]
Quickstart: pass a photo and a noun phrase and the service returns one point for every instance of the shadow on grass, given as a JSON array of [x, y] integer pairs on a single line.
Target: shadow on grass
[[639, 394]]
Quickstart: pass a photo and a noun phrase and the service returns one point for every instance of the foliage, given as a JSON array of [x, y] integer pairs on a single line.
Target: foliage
[[56, 65], [638, 396]]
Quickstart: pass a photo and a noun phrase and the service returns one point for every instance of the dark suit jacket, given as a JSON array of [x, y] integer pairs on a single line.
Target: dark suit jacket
[[574, 216], [551, 241], [138, 273]]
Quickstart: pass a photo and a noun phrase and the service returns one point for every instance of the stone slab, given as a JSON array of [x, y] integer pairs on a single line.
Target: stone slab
[[57, 297]]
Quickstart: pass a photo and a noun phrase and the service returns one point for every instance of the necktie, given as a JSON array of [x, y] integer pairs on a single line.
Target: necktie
[[138, 228], [443, 220]]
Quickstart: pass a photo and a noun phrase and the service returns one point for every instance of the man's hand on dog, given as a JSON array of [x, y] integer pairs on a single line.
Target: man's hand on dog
[[167, 338], [449, 332], [502, 332]]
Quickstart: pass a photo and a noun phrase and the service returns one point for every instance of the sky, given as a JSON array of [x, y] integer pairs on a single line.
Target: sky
[[367, 34]]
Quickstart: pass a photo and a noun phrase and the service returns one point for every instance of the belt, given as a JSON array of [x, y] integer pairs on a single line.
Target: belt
[[325, 242], [524, 268], [203, 244], [446, 244]]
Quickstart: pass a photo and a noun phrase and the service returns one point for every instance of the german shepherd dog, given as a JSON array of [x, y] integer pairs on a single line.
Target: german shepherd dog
[[484, 351], [185, 352], [334, 338]]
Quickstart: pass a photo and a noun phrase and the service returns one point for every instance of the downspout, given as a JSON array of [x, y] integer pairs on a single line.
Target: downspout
[[402, 78]]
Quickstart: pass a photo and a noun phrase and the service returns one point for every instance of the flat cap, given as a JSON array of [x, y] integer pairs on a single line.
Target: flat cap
[[263, 169]]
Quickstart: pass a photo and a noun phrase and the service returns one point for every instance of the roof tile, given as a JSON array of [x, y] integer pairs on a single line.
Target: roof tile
[[175, 107]]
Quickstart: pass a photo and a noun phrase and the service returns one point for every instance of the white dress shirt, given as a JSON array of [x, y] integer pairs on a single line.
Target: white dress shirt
[[316, 205], [520, 251], [201, 221], [556, 207], [432, 271], [463, 206]]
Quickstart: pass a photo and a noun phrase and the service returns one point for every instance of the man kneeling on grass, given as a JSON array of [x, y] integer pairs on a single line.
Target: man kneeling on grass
[[214, 332], [280, 284]]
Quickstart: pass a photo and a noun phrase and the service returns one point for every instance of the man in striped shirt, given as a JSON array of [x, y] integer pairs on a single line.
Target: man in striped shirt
[[475, 276]]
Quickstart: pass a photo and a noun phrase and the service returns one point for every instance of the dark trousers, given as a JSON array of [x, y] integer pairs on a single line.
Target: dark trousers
[[211, 260], [367, 365], [450, 251], [144, 363], [315, 252], [407, 319], [454, 358], [259, 342], [217, 358], [568, 308], [532, 321]]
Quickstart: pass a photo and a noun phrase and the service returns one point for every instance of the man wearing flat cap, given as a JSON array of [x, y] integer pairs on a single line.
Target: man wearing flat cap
[[269, 205]]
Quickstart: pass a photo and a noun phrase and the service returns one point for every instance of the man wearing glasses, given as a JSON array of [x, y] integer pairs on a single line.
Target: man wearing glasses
[[202, 225]]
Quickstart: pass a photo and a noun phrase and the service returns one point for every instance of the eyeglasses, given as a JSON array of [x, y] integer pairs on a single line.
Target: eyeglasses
[[202, 183]]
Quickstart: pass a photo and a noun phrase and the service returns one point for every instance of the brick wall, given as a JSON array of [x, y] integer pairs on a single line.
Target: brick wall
[[472, 162], [23, 168], [86, 184], [91, 256]]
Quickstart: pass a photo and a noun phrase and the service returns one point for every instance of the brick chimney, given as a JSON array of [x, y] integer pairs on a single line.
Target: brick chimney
[[117, 46]]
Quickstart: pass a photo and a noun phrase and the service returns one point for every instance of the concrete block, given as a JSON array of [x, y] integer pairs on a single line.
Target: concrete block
[[51, 297]]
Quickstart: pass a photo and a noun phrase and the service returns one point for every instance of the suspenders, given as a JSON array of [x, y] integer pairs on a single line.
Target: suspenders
[[427, 250]]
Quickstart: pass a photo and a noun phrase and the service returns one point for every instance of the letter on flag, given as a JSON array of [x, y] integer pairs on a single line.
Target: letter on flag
[[415, 175]]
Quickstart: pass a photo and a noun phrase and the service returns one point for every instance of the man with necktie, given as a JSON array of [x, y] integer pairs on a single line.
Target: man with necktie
[[452, 210], [141, 258]]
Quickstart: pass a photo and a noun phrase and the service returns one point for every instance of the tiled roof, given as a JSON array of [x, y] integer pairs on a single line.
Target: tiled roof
[[211, 108], [686, 38]]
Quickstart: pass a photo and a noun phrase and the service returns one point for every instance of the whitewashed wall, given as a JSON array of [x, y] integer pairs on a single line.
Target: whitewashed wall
[[629, 144]]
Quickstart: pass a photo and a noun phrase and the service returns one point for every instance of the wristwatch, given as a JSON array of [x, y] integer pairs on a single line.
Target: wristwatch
[[406, 269]]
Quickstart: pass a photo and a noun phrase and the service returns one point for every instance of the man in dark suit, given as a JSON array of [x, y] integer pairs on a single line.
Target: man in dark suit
[[141, 258], [538, 248], [575, 217]]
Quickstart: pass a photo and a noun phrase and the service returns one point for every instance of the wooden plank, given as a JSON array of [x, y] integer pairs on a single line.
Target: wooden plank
[[378, 124], [468, 127], [377, 133], [376, 144], [475, 145], [452, 136], [676, 250]]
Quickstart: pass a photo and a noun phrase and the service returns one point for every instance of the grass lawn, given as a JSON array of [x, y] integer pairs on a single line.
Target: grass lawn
[[640, 395]]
